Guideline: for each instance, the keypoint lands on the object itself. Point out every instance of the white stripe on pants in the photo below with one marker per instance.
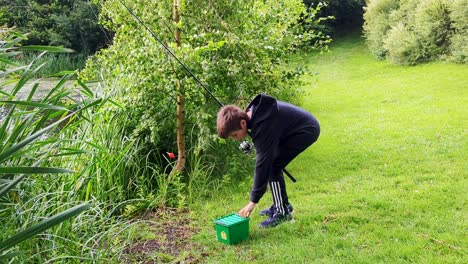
(277, 197)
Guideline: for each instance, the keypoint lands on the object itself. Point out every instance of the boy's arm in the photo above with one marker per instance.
(265, 154)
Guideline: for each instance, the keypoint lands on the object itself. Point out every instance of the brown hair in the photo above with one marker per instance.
(229, 119)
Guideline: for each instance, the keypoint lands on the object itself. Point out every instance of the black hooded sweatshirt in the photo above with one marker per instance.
(271, 123)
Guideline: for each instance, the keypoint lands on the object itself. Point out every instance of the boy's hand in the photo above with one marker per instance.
(247, 210)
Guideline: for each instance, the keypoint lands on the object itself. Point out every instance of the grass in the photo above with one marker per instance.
(386, 181)
(55, 63)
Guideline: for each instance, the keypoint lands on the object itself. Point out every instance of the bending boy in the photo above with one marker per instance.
(280, 131)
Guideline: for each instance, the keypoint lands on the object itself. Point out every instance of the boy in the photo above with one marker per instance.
(280, 131)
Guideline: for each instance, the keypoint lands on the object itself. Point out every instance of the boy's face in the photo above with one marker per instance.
(241, 133)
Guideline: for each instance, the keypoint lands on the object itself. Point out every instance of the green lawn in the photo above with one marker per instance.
(386, 181)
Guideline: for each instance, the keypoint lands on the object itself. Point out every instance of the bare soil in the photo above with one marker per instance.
(170, 242)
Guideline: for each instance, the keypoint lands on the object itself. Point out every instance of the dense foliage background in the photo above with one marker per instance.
(347, 14)
(415, 31)
(71, 23)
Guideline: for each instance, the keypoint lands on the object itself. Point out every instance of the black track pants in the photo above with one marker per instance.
(287, 151)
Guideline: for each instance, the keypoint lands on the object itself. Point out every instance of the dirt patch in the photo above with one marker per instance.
(167, 239)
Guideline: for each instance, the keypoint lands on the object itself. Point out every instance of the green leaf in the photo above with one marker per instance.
(9, 62)
(12, 255)
(19, 35)
(4, 127)
(32, 92)
(11, 150)
(10, 185)
(34, 104)
(77, 152)
(116, 104)
(58, 85)
(44, 225)
(96, 102)
(86, 91)
(9, 54)
(58, 49)
(32, 170)
(6, 73)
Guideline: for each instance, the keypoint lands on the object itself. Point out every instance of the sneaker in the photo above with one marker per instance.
(275, 220)
(272, 210)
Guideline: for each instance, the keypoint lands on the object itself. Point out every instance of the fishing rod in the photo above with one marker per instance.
(245, 146)
(170, 52)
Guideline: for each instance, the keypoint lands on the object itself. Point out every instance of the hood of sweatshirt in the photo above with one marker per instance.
(263, 108)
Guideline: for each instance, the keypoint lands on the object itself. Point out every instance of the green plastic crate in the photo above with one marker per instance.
(232, 229)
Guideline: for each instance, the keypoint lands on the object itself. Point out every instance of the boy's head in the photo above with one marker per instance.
(232, 122)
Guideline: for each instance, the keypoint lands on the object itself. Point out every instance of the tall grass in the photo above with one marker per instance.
(25, 147)
(54, 63)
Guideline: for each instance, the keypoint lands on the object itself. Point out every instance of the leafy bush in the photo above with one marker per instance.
(459, 41)
(402, 45)
(377, 23)
(436, 29)
(433, 26)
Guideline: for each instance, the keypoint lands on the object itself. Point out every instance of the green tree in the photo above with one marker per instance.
(237, 48)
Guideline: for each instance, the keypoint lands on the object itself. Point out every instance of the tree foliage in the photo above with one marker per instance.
(73, 24)
(347, 14)
(237, 48)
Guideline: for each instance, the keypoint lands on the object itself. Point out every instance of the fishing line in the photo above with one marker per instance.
(244, 146)
(171, 53)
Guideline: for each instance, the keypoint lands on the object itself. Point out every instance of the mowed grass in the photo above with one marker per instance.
(386, 181)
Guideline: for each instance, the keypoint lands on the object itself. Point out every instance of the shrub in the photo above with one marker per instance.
(436, 29)
(433, 27)
(402, 45)
(459, 40)
(377, 23)
(404, 13)
(72, 24)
